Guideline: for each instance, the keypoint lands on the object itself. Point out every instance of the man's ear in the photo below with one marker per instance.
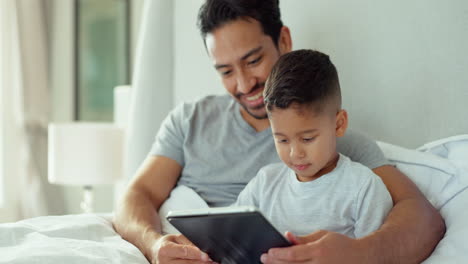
(341, 122)
(284, 40)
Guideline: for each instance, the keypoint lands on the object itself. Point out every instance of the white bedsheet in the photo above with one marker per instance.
(69, 239)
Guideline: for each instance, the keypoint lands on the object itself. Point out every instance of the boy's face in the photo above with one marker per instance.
(306, 141)
(244, 56)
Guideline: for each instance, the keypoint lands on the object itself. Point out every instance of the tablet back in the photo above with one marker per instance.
(240, 237)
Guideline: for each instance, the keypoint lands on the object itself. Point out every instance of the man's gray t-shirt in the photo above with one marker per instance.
(350, 200)
(220, 152)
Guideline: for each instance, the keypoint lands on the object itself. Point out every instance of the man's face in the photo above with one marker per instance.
(305, 141)
(243, 56)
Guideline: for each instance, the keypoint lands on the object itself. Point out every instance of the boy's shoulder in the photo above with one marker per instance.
(273, 168)
(355, 170)
(272, 171)
(270, 176)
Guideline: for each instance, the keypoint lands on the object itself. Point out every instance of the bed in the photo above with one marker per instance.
(438, 168)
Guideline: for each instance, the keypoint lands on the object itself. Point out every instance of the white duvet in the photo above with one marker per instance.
(90, 238)
(69, 239)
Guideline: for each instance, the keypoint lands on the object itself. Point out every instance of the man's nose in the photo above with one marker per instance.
(245, 82)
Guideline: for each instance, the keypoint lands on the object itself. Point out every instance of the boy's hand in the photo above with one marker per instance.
(321, 247)
(177, 249)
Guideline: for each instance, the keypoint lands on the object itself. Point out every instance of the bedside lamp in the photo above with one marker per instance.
(85, 154)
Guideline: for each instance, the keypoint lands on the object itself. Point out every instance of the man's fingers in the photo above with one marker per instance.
(185, 251)
(183, 240)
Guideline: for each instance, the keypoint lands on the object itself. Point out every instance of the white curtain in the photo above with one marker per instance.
(25, 102)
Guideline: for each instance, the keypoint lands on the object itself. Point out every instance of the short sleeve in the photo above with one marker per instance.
(372, 206)
(362, 149)
(171, 135)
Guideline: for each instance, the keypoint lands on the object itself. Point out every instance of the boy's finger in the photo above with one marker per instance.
(292, 238)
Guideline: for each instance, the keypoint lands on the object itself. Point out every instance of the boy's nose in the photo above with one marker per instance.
(297, 152)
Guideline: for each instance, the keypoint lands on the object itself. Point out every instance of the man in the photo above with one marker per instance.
(217, 144)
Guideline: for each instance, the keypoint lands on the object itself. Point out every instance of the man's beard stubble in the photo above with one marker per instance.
(258, 117)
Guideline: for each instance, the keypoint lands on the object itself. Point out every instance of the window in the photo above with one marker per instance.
(102, 56)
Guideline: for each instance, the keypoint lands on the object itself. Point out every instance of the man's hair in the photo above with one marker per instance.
(303, 78)
(216, 13)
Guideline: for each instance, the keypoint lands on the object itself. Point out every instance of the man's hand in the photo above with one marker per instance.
(321, 247)
(177, 249)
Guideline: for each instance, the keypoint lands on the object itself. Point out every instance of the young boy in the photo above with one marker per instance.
(315, 187)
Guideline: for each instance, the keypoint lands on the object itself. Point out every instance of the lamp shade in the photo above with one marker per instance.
(85, 153)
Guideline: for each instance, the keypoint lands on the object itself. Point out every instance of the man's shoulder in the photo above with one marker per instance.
(204, 106)
(209, 101)
(359, 147)
(354, 136)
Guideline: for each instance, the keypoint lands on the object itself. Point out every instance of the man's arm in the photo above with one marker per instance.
(137, 220)
(409, 234)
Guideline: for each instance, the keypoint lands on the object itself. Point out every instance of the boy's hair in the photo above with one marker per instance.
(303, 78)
(216, 13)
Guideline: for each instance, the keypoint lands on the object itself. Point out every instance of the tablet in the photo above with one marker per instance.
(228, 234)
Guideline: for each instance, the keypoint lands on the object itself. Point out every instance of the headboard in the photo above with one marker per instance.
(402, 64)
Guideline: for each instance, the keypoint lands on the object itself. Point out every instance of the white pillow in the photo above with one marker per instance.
(181, 198)
(453, 148)
(438, 178)
(453, 248)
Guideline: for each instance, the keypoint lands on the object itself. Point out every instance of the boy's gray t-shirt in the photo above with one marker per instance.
(350, 200)
(220, 152)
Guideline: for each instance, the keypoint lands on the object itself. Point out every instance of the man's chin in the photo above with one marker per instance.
(259, 117)
(259, 113)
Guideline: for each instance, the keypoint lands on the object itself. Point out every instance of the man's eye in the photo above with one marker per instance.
(308, 139)
(225, 73)
(253, 62)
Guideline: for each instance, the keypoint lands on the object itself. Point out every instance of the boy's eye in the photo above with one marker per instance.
(282, 140)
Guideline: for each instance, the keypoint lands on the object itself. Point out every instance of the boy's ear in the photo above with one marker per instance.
(341, 122)
(284, 40)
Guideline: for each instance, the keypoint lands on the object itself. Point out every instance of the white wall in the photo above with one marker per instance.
(194, 73)
(402, 64)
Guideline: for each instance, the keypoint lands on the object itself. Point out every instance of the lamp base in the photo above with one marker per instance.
(87, 203)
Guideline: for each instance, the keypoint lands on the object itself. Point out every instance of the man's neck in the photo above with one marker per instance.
(258, 124)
